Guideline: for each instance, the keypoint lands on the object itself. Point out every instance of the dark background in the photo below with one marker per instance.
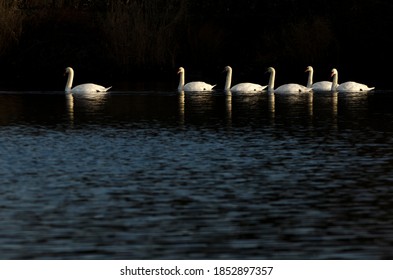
(140, 44)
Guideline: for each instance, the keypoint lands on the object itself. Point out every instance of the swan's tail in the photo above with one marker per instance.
(102, 89)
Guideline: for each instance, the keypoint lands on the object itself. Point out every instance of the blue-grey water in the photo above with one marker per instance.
(165, 175)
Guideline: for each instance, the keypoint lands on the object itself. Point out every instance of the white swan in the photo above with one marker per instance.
(242, 87)
(83, 88)
(287, 88)
(192, 86)
(318, 86)
(347, 86)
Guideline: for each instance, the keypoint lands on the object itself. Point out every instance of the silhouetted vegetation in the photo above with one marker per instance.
(126, 39)
(10, 25)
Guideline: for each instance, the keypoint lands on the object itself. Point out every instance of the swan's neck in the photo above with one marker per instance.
(69, 80)
(310, 78)
(228, 80)
(181, 82)
(335, 82)
(270, 87)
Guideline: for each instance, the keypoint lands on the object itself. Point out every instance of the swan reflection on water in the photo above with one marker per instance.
(272, 100)
(310, 104)
(92, 100)
(352, 105)
(90, 103)
(246, 106)
(70, 107)
(290, 101)
(181, 106)
(202, 106)
(297, 106)
(226, 107)
(335, 104)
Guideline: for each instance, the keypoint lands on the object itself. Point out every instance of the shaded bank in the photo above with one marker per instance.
(147, 40)
(10, 25)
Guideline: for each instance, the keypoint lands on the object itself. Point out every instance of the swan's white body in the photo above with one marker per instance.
(347, 86)
(292, 88)
(83, 88)
(192, 86)
(241, 87)
(287, 88)
(318, 86)
(322, 86)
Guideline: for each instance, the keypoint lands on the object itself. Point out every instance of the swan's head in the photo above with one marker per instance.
(309, 69)
(334, 72)
(181, 70)
(270, 70)
(68, 70)
(227, 68)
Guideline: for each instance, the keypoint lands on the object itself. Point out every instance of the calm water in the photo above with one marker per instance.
(163, 175)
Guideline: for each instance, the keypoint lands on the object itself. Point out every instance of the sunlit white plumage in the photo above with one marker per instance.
(241, 87)
(292, 88)
(83, 88)
(192, 86)
(318, 86)
(347, 86)
(287, 88)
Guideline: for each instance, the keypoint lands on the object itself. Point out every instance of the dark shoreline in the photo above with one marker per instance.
(146, 41)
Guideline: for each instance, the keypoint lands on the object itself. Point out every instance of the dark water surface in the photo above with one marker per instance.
(163, 175)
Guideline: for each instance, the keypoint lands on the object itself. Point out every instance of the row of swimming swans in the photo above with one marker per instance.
(241, 87)
(286, 88)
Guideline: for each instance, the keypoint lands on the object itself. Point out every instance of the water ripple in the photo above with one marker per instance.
(163, 176)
